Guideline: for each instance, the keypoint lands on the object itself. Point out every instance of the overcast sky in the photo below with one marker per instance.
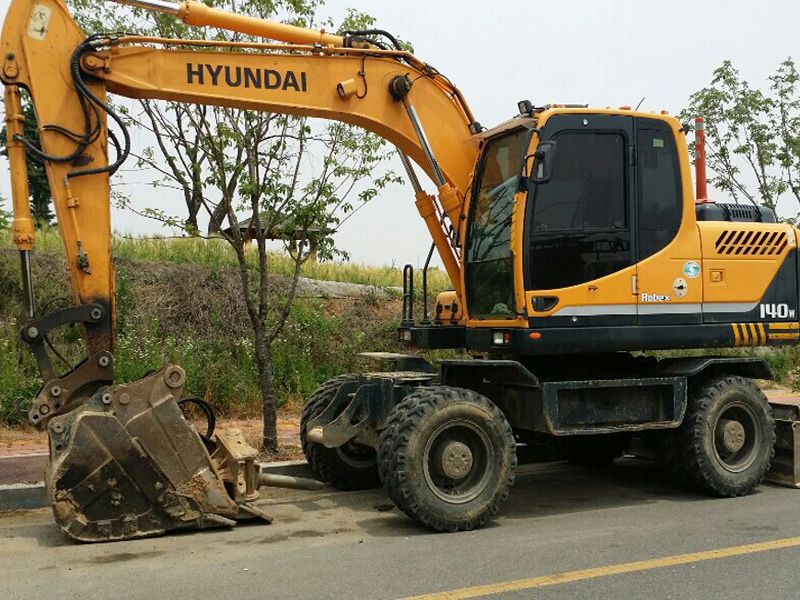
(610, 52)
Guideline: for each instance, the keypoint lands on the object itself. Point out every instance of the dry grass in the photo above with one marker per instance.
(21, 436)
(292, 406)
(217, 253)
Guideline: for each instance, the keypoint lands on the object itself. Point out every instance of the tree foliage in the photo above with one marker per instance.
(254, 174)
(5, 216)
(753, 134)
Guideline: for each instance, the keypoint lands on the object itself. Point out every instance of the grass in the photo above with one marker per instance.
(19, 379)
(177, 303)
(317, 344)
(217, 253)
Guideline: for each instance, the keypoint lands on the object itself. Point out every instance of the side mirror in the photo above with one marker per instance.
(544, 158)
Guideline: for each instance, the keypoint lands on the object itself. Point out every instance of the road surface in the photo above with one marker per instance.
(567, 532)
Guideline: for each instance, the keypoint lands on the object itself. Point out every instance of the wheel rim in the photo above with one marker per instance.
(736, 437)
(356, 455)
(457, 461)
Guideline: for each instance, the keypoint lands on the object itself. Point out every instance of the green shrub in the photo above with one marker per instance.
(19, 379)
(192, 317)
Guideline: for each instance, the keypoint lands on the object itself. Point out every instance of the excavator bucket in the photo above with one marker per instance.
(786, 464)
(127, 464)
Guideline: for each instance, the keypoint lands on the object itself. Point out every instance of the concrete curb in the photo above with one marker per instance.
(28, 496)
(22, 496)
(293, 468)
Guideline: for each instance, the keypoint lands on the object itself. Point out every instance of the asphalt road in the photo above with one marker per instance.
(567, 532)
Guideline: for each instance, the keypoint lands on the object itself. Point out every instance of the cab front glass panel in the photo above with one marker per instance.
(489, 274)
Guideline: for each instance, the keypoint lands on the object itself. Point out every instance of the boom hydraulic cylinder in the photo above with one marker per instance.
(200, 15)
(23, 223)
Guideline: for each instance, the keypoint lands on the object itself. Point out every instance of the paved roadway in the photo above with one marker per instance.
(567, 532)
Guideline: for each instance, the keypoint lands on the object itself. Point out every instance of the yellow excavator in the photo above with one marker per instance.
(572, 237)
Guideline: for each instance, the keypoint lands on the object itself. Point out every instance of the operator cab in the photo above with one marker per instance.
(582, 235)
(612, 198)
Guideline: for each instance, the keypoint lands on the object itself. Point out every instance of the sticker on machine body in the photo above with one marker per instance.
(691, 269)
(39, 21)
(680, 287)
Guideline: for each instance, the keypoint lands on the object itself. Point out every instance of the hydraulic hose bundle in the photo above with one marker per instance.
(91, 106)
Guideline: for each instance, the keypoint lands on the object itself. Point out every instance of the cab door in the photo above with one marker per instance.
(579, 259)
(668, 273)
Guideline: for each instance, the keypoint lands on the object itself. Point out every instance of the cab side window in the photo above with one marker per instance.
(659, 187)
(579, 226)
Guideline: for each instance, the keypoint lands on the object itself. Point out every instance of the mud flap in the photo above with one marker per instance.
(127, 464)
(785, 469)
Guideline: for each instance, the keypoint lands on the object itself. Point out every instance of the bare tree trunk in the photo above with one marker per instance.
(215, 220)
(191, 224)
(266, 378)
(267, 385)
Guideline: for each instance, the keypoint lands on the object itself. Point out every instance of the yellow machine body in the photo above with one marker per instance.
(124, 463)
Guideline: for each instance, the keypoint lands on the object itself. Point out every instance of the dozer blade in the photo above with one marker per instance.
(786, 464)
(127, 464)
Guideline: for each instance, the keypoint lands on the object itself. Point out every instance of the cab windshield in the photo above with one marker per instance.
(489, 265)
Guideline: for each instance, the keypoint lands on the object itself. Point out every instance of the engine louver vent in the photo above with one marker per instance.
(741, 212)
(753, 243)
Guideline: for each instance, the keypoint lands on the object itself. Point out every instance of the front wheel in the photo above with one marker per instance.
(727, 439)
(447, 458)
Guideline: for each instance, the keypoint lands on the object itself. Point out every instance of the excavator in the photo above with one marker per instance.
(573, 238)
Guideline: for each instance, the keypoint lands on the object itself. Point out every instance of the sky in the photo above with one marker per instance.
(604, 53)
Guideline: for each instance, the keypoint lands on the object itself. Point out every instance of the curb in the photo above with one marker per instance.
(293, 468)
(22, 496)
(28, 496)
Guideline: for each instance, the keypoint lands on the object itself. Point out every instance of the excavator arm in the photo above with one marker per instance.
(124, 463)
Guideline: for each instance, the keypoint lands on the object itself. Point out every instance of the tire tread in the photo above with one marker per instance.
(693, 462)
(393, 459)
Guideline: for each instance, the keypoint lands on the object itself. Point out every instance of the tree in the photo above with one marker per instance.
(5, 216)
(268, 172)
(753, 135)
(39, 189)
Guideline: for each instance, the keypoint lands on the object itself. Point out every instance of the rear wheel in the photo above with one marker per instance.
(727, 439)
(447, 458)
(348, 467)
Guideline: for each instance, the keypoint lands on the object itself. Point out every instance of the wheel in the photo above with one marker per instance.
(593, 450)
(348, 467)
(447, 458)
(727, 439)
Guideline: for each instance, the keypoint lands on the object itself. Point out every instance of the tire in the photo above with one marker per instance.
(593, 450)
(723, 414)
(349, 467)
(430, 424)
